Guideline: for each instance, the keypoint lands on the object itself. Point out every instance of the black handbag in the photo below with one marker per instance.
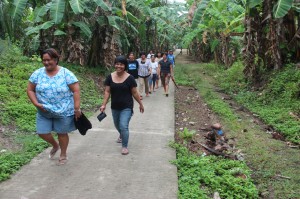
(82, 124)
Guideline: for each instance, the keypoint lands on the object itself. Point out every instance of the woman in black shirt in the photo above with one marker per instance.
(121, 86)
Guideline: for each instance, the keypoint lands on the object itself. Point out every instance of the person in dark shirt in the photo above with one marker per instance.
(121, 86)
(133, 66)
(165, 70)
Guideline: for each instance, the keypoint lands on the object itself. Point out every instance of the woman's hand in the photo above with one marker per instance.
(41, 107)
(142, 108)
(102, 108)
(77, 114)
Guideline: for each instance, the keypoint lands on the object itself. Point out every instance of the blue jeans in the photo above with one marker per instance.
(121, 120)
(152, 81)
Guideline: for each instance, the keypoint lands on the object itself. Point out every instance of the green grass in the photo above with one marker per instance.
(17, 114)
(275, 103)
(265, 156)
(11, 161)
(212, 174)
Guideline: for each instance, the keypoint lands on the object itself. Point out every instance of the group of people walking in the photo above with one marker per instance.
(55, 92)
(149, 69)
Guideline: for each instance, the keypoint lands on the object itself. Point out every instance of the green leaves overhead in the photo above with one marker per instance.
(39, 12)
(199, 12)
(77, 6)
(57, 10)
(18, 10)
(84, 28)
(102, 5)
(253, 3)
(112, 22)
(282, 7)
(36, 29)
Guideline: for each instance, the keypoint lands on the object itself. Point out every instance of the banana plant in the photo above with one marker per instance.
(281, 7)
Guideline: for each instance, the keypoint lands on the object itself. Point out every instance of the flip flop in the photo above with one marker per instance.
(53, 152)
(62, 161)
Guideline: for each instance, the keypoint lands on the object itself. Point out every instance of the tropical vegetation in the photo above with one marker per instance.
(250, 48)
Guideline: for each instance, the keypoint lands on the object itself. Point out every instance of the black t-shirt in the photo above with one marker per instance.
(133, 68)
(165, 66)
(121, 96)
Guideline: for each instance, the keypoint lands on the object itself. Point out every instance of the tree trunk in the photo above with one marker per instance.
(104, 47)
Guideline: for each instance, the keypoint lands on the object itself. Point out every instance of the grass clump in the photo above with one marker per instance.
(11, 161)
(200, 177)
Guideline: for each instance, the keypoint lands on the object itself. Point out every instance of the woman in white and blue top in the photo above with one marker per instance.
(55, 91)
(144, 73)
(153, 76)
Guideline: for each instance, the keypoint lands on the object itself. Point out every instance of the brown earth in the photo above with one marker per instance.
(192, 113)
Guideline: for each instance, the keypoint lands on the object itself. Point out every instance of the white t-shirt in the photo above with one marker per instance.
(154, 66)
(149, 56)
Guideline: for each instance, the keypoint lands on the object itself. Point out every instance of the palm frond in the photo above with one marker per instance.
(18, 10)
(282, 7)
(84, 28)
(102, 5)
(199, 12)
(57, 10)
(77, 6)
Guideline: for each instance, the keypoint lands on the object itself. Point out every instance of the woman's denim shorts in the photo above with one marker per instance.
(48, 122)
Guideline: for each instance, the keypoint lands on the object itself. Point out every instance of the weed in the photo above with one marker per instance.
(186, 134)
(212, 174)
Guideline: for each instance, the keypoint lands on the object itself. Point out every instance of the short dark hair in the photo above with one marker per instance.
(52, 53)
(122, 59)
(142, 53)
(130, 54)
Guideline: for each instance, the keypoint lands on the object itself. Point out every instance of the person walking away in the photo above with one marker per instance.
(144, 73)
(171, 58)
(165, 70)
(153, 76)
(55, 92)
(157, 59)
(150, 54)
(122, 88)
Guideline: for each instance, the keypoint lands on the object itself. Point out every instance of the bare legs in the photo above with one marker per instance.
(63, 141)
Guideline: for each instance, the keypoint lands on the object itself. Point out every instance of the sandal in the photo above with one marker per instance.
(124, 151)
(62, 161)
(53, 152)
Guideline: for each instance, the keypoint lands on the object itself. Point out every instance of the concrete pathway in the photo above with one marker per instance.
(97, 170)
